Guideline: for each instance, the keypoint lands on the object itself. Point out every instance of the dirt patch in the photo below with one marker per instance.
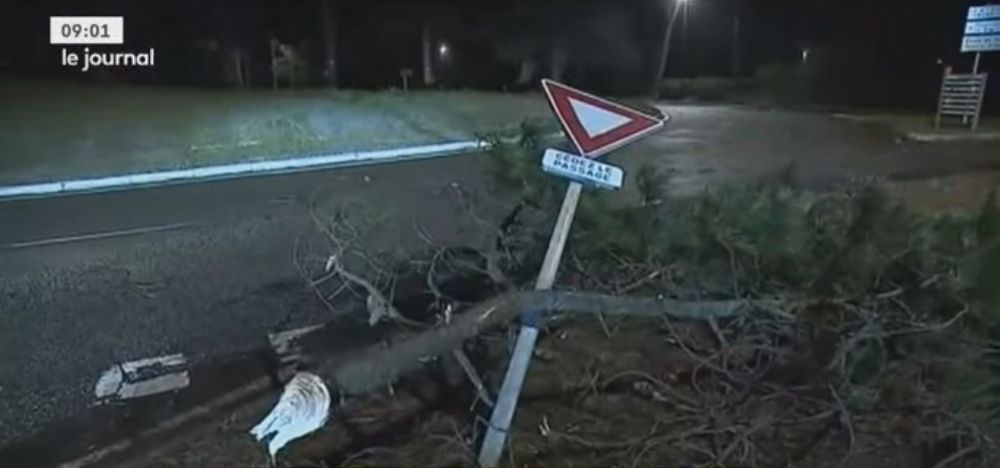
(959, 191)
(622, 393)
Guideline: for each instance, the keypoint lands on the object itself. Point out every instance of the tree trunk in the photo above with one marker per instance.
(331, 18)
(664, 52)
(736, 46)
(527, 72)
(359, 371)
(428, 62)
(557, 66)
(226, 42)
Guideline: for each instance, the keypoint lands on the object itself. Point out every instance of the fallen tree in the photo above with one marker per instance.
(762, 325)
(378, 366)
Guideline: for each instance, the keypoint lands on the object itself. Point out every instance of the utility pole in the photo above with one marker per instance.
(428, 63)
(330, 17)
(736, 45)
(664, 51)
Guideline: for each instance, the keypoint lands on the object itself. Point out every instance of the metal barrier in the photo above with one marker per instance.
(961, 96)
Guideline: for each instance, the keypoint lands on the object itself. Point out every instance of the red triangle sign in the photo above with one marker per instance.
(595, 125)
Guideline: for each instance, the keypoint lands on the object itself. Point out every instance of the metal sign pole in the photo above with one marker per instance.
(975, 64)
(510, 391)
(590, 115)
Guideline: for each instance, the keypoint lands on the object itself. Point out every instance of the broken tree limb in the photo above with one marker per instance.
(364, 370)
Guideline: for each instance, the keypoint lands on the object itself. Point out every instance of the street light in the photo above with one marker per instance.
(665, 47)
(443, 50)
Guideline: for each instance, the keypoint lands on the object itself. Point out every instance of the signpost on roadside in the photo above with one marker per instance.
(982, 32)
(596, 126)
(962, 94)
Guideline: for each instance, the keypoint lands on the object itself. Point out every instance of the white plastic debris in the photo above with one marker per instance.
(302, 409)
(143, 377)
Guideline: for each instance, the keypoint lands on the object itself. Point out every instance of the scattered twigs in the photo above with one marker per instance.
(930, 328)
(651, 438)
(840, 356)
(956, 456)
(718, 333)
(701, 360)
(845, 421)
(604, 325)
(679, 400)
(640, 282)
(470, 372)
(379, 306)
(743, 438)
(313, 284)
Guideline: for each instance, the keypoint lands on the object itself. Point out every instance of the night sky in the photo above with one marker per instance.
(867, 45)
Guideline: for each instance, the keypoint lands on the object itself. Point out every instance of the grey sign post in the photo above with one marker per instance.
(595, 126)
(962, 94)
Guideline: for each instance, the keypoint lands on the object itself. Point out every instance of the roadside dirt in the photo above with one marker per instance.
(623, 396)
(959, 191)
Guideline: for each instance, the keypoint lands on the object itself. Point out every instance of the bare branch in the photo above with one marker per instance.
(470, 371)
(956, 456)
(845, 419)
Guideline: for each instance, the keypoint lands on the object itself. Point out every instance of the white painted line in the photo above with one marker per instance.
(143, 377)
(242, 144)
(957, 136)
(272, 166)
(99, 235)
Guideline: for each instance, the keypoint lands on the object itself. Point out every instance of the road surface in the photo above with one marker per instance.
(206, 269)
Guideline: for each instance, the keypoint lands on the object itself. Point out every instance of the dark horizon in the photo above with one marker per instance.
(875, 47)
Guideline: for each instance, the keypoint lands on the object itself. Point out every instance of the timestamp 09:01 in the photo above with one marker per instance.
(86, 30)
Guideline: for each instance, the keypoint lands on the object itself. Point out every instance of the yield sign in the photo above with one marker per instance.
(596, 125)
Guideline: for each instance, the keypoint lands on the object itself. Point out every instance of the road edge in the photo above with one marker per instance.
(244, 169)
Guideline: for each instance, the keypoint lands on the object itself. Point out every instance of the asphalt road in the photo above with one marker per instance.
(203, 269)
(206, 269)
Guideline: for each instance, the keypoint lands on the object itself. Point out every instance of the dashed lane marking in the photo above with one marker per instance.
(98, 236)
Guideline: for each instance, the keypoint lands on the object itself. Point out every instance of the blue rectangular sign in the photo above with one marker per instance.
(981, 43)
(983, 27)
(984, 12)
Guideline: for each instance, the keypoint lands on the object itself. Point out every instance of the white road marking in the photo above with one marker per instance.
(98, 235)
(143, 377)
(241, 144)
(271, 166)
(949, 137)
